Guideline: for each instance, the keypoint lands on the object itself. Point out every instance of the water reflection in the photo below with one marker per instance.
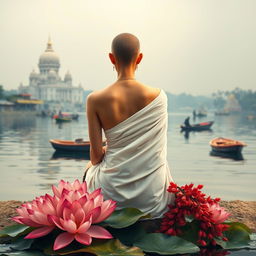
(217, 252)
(186, 133)
(29, 162)
(70, 155)
(17, 122)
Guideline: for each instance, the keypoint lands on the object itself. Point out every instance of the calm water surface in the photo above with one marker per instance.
(29, 166)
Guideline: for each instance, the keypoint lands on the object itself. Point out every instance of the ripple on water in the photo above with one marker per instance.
(26, 157)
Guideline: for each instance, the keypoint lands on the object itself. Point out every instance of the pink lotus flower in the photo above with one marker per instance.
(219, 214)
(35, 214)
(71, 209)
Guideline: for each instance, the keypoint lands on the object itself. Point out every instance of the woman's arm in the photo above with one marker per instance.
(95, 131)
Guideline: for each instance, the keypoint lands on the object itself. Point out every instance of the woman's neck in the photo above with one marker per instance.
(126, 73)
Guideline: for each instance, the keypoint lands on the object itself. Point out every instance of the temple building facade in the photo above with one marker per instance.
(48, 86)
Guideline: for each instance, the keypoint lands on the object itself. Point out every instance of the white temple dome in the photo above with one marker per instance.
(33, 74)
(52, 74)
(68, 76)
(49, 59)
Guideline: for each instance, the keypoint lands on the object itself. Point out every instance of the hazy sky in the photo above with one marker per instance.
(192, 46)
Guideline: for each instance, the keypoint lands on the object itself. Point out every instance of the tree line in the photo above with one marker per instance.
(246, 99)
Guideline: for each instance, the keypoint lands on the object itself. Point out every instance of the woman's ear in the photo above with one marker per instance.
(112, 58)
(139, 58)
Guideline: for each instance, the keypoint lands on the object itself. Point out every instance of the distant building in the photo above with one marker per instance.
(232, 104)
(48, 86)
(21, 102)
(6, 105)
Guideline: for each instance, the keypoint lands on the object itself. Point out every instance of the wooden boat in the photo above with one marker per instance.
(70, 155)
(251, 117)
(200, 113)
(236, 156)
(197, 127)
(63, 119)
(222, 113)
(69, 145)
(74, 116)
(225, 145)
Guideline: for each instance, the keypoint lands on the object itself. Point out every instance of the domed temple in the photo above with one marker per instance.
(48, 86)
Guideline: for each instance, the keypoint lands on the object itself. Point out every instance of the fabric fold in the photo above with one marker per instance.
(134, 171)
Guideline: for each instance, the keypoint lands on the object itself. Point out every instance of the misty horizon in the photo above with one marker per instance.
(194, 48)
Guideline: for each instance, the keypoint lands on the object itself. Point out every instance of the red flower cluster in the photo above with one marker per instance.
(191, 204)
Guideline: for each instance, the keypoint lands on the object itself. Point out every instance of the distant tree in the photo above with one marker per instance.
(246, 99)
(1, 92)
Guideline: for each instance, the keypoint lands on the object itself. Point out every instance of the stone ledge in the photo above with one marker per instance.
(242, 211)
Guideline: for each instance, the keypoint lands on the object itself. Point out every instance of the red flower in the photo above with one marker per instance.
(191, 204)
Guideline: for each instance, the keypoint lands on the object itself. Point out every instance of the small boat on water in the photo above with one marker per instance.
(197, 127)
(63, 119)
(69, 145)
(70, 155)
(236, 156)
(222, 113)
(201, 113)
(225, 145)
(251, 117)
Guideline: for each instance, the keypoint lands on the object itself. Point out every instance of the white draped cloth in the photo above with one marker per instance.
(134, 171)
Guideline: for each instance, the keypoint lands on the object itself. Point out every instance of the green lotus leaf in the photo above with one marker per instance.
(14, 230)
(21, 244)
(111, 247)
(165, 245)
(190, 231)
(23, 253)
(124, 218)
(4, 248)
(129, 235)
(238, 236)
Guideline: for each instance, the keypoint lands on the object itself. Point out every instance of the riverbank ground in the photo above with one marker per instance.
(242, 211)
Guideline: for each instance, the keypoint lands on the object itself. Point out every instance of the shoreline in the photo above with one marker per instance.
(241, 211)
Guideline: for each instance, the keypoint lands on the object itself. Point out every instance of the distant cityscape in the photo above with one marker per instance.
(47, 91)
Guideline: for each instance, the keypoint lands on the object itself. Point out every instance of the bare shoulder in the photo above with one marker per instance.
(96, 96)
(150, 91)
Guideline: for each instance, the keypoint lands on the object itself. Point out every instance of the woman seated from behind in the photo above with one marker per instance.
(132, 168)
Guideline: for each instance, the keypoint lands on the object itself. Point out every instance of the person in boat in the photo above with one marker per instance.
(132, 168)
(60, 114)
(186, 122)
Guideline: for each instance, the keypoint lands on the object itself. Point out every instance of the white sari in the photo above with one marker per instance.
(134, 171)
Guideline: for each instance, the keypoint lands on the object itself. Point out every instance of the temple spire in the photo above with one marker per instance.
(49, 45)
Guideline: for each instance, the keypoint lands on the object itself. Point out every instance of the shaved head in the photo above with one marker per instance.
(125, 48)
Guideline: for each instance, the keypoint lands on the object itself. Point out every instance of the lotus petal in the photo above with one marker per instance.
(69, 226)
(99, 232)
(79, 216)
(17, 219)
(95, 193)
(29, 222)
(39, 232)
(85, 226)
(63, 240)
(56, 221)
(66, 213)
(104, 214)
(95, 213)
(83, 239)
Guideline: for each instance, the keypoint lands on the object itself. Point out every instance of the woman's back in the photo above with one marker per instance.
(121, 100)
(134, 171)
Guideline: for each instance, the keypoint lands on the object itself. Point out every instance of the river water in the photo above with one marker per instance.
(29, 165)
